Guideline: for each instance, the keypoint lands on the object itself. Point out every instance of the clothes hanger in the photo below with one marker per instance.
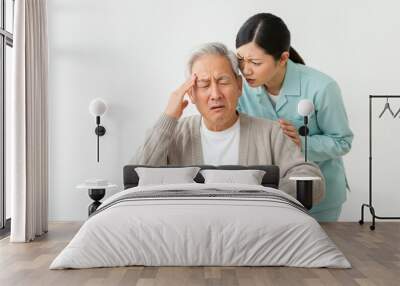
(397, 113)
(387, 107)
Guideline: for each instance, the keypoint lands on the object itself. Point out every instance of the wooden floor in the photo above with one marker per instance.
(374, 255)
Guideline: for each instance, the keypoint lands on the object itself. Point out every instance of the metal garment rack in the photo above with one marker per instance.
(369, 205)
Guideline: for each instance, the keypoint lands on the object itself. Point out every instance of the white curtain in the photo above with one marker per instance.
(28, 157)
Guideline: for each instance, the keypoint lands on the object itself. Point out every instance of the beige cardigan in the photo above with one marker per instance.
(262, 142)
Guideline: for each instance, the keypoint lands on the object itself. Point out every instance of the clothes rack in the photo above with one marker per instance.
(370, 205)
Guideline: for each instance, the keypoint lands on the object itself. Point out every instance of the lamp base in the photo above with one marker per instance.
(304, 192)
(96, 195)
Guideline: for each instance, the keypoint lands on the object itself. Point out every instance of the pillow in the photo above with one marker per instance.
(248, 177)
(163, 176)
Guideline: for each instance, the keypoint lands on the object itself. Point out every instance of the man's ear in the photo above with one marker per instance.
(192, 95)
(240, 84)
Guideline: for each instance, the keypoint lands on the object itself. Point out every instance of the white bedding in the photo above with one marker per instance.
(200, 231)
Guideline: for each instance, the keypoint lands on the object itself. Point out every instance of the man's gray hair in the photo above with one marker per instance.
(214, 48)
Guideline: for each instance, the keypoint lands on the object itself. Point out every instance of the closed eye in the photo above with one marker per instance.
(203, 83)
(224, 80)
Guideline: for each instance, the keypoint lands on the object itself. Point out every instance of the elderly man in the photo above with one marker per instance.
(220, 135)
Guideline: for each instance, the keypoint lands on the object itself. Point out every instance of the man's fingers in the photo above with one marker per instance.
(184, 104)
(187, 85)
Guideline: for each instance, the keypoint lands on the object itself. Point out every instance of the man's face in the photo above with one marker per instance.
(217, 89)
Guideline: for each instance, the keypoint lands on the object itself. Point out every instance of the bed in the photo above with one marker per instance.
(198, 224)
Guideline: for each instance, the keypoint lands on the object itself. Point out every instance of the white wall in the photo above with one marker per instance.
(132, 54)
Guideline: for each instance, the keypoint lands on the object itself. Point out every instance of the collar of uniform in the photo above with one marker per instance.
(291, 83)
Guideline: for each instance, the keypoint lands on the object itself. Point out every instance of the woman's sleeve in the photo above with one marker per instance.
(336, 138)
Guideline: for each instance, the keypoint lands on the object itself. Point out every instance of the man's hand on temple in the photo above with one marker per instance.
(177, 102)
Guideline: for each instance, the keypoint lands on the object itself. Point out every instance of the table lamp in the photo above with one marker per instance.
(304, 185)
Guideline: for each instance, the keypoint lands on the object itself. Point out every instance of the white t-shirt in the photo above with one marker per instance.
(220, 147)
(273, 97)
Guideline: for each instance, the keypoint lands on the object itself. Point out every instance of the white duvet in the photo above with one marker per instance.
(200, 231)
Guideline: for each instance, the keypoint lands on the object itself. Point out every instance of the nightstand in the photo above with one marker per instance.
(96, 193)
(304, 190)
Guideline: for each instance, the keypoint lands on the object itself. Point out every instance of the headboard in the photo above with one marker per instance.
(270, 179)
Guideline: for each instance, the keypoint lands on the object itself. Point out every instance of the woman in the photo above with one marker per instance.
(276, 79)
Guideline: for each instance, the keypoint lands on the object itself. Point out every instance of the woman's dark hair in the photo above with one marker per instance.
(270, 33)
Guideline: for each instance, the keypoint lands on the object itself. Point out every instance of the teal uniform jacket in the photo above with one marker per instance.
(330, 135)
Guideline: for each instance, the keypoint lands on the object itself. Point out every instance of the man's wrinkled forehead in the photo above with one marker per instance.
(212, 66)
(217, 76)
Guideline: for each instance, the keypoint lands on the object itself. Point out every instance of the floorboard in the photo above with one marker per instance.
(374, 255)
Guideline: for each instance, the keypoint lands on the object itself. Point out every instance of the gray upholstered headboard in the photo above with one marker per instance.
(270, 179)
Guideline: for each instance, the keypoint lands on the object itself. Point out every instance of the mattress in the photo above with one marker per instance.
(200, 225)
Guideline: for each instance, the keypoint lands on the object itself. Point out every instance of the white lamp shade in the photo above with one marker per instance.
(97, 107)
(305, 107)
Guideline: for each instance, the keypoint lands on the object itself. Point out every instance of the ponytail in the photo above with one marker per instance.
(295, 57)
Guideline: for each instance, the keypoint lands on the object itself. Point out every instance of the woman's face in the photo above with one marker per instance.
(257, 67)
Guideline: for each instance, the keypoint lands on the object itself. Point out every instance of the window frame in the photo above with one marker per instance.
(6, 39)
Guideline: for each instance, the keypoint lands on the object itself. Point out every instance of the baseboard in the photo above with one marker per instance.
(5, 231)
